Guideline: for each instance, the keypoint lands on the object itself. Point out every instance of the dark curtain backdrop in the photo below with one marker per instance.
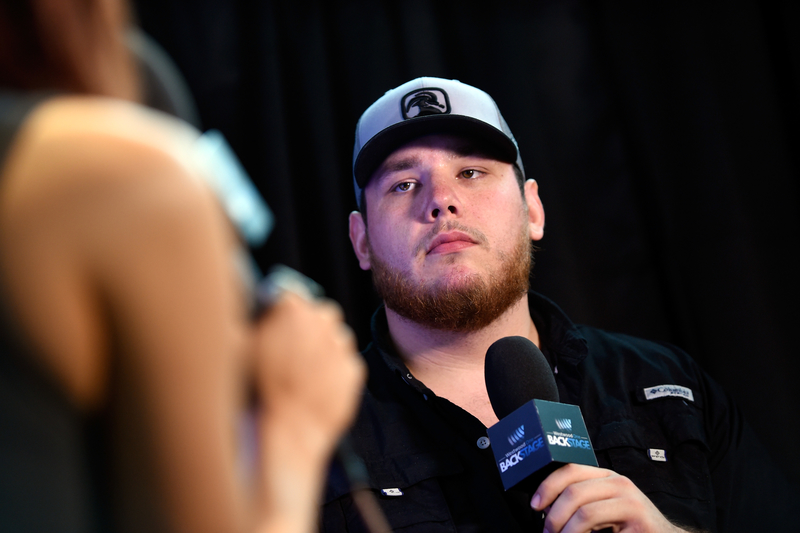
(663, 136)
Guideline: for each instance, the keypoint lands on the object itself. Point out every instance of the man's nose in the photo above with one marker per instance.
(442, 198)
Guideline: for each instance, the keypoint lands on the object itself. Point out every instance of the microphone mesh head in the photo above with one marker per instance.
(516, 372)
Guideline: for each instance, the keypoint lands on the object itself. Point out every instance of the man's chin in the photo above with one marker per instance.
(452, 278)
(463, 302)
(456, 294)
(463, 310)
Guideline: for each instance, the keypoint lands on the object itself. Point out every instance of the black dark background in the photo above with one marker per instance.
(663, 136)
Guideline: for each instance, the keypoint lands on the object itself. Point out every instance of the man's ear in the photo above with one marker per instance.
(358, 237)
(535, 210)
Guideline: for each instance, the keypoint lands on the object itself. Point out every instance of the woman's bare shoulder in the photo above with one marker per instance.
(119, 119)
(102, 215)
(73, 148)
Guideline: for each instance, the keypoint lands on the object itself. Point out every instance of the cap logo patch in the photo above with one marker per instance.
(427, 101)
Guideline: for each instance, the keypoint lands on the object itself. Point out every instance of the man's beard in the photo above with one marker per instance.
(472, 305)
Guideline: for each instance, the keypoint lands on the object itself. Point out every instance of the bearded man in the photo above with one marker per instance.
(446, 222)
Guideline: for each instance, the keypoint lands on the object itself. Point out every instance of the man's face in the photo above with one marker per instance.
(448, 234)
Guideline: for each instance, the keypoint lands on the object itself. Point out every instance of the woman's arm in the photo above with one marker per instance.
(120, 257)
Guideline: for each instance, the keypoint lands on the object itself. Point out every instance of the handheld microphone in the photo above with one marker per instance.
(535, 434)
(254, 221)
(281, 279)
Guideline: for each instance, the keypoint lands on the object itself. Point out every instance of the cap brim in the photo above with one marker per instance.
(378, 148)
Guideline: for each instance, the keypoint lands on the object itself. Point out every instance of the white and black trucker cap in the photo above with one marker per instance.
(426, 106)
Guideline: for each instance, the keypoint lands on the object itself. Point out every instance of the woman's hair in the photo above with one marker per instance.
(73, 46)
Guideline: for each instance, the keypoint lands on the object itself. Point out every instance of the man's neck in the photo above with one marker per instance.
(451, 363)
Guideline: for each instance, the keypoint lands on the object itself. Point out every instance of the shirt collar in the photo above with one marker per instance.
(385, 345)
(561, 340)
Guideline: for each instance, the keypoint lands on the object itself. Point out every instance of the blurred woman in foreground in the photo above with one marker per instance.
(126, 347)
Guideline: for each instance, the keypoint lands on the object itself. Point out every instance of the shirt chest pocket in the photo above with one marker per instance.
(407, 490)
(663, 449)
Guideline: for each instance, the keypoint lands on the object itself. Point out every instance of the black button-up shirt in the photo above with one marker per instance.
(685, 445)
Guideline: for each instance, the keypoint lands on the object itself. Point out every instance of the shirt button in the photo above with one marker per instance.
(483, 443)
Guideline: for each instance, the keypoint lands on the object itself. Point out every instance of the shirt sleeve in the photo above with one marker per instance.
(751, 492)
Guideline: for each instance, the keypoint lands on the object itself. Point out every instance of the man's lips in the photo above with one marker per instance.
(450, 242)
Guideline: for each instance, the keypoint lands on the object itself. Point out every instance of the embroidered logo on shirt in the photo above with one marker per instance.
(392, 492)
(661, 391)
(657, 455)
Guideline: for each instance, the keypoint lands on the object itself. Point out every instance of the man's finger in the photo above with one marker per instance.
(560, 479)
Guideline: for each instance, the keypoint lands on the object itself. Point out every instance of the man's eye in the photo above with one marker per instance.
(470, 173)
(404, 187)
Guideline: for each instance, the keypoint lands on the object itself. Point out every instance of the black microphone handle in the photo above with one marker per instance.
(281, 279)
